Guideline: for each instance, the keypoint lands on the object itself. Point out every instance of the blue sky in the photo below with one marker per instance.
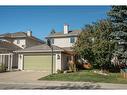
(42, 19)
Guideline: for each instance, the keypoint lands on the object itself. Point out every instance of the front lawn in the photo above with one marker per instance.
(86, 76)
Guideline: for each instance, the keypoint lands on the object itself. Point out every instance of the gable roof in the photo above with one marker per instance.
(61, 34)
(13, 35)
(40, 48)
(19, 35)
(4, 45)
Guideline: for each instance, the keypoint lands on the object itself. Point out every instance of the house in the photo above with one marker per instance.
(11, 42)
(7, 47)
(39, 57)
(65, 39)
(7, 57)
(21, 39)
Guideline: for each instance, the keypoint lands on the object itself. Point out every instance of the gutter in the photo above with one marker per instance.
(59, 36)
(37, 51)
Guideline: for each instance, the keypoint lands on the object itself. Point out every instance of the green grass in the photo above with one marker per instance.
(86, 76)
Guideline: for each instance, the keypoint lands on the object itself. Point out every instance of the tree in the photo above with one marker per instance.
(102, 46)
(118, 16)
(52, 31)
(83, 46)
(94, 43)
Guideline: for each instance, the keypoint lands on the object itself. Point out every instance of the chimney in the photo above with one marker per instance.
(66, 28)
(29, 33)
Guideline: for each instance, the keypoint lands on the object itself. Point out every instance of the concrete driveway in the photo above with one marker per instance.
(22, 76)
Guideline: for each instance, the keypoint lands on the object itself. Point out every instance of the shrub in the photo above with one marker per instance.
(2, 67)
(72, 66)
(59, 71)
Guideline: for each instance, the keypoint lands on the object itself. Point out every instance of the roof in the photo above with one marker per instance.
(61, 34)
(13, 35)
(40, 48)
(4, 45)
(19, 35)
(46, 49)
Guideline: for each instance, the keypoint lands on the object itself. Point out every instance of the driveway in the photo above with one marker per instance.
(21, 76)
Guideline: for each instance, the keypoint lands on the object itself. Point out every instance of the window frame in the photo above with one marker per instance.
(52, 41)
(18, 41)
(72, 39)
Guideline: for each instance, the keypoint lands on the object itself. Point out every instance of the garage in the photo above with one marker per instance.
(39, 58)
(39, 62)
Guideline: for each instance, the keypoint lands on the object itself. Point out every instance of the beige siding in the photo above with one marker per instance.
(63, 42)
(26, 42)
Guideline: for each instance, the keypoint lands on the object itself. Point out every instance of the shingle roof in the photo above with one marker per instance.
(61, 34)
(14, 35)
(40, 48)
(8, 46)
(19, 35)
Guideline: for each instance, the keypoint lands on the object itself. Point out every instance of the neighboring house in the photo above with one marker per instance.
(7, 47)
(11, 42)
(39, 57)
(21, 39)
(7, 57)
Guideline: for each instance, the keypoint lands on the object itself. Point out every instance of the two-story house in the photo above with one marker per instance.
(21, 39)
(64, 39)
(40, 58)
(10, 42)
(8, 58)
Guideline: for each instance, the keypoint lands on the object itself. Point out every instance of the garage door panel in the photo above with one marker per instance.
(40, 62)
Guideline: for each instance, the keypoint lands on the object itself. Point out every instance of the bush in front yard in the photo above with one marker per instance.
(72, 66)
(59, 71)
(2, 67)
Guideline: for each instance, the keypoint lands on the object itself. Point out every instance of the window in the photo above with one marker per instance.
(58, 56)
(52, 41)
(72, 39)
(18, 41)
(23, 46)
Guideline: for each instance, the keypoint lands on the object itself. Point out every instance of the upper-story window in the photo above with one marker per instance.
(52, 41)
(18, 41)
(72, 39)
